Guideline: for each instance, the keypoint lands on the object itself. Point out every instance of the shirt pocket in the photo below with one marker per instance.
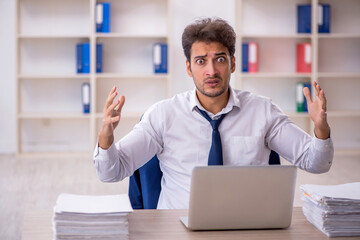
(246, 150)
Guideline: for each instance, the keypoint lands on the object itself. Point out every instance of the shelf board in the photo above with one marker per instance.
(276, 75)
(354, 113)
(282, 36)
(339, 35)
(132, 76)
(67, 76)
(58, 36)
(80, 154)
(54, 116)
(349, 113)
(338, 75)
(123, 35)
(347, 151)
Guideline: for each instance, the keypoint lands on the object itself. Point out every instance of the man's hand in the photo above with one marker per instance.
(111, 118)
(317, 111)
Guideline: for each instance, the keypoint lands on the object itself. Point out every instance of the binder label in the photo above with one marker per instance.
(299, 93)
(320, 15)
(307, 53)
(252, 53)
(157, 54)
(99, 13)
(86, 94)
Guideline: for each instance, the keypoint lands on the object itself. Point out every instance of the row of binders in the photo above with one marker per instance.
(250, 56)
(160, 59)
(103, 18)
(333, 209)
(83, 58)
(91, 217)
(301, 103)
(304, 18)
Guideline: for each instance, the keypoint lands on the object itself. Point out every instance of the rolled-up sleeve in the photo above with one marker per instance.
(131, 152)
(321, 155)
(295, 145)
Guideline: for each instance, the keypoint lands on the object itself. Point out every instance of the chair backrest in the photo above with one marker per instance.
(145, 183)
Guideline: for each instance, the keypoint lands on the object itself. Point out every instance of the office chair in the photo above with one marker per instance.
(145, 183)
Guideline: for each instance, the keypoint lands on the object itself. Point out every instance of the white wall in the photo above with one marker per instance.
(7, 80)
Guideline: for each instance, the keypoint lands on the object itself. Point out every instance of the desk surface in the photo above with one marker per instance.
(165, 224)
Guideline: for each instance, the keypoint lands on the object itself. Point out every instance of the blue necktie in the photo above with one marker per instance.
(215, 155)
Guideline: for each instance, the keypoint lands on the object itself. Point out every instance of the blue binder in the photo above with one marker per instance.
(86, 57)
(304, 18)
(79, 62)
(106, 20)
(160, 58)
(85, 97)
(324, 24)
(99, 56)
(99, 16)
(103, 17)
(245, 57)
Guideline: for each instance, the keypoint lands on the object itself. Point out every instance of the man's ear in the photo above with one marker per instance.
(233, 65)
(188, 68)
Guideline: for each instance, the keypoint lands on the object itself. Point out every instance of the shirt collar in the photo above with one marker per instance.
(234, 101)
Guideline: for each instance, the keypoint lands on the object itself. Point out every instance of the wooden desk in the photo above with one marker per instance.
(165, 224)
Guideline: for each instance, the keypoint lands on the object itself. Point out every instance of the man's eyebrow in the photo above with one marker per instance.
(200, 56)
(216, 54)
(220, 53)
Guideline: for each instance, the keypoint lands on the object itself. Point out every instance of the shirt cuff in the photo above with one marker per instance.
(104, 154)
(323, 145)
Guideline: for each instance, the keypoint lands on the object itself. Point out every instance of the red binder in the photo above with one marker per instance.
(303, 57)
(253, 56)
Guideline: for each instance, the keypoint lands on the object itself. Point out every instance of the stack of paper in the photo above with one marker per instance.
(334, 210)
(91, 217)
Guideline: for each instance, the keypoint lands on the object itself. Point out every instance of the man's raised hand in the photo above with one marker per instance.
(111, 118)
(317, 111)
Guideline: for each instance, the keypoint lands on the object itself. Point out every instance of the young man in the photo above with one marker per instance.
(180, 130)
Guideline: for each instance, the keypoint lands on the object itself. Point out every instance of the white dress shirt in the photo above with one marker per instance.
(181, 137)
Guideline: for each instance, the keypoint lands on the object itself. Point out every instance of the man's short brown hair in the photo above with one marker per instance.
(209, 30)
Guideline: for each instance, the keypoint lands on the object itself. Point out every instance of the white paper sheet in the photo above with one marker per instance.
(93, 204)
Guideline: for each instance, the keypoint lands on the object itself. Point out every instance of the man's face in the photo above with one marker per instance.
(210, 66)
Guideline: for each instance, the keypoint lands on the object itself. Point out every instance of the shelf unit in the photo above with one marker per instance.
(49, 110)
(335, 61)
(48, 88)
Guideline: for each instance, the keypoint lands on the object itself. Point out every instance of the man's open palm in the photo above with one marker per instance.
(317, 111)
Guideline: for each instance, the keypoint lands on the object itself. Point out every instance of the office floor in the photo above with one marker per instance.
(34, 183)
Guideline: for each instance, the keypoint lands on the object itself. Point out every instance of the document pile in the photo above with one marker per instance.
(91, 217)
(334, 210)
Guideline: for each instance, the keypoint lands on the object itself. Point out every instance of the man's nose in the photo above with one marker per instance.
(211, 69)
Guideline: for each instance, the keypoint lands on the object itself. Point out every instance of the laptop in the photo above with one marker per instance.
(241, 197)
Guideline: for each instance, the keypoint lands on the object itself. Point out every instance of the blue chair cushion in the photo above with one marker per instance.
(145, 185)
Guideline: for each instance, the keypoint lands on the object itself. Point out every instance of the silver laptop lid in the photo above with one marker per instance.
(241, 197)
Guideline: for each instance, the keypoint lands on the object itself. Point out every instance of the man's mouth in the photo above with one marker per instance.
(212, 82)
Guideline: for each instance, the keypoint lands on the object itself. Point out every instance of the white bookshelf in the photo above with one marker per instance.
(335, 61)
(50, 118)
(49, 111)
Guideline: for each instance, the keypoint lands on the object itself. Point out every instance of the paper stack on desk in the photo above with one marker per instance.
(91, 217)
(333, 209)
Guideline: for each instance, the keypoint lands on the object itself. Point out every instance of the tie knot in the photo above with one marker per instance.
(214, 123)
